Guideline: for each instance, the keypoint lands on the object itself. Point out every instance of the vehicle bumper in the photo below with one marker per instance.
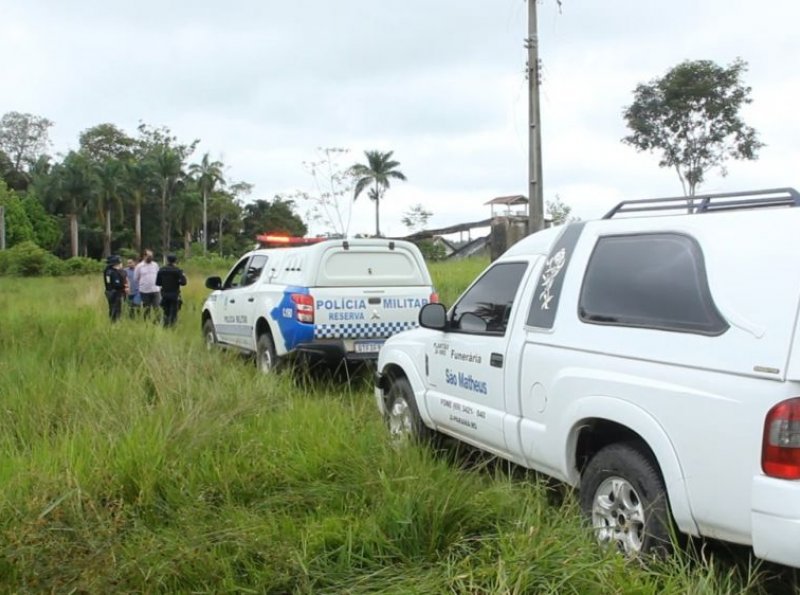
(335, 350)
(775, 519)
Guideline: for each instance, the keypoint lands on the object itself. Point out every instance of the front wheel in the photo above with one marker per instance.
(402, 415)
(209, 334)
(266, 358)
(623, 496)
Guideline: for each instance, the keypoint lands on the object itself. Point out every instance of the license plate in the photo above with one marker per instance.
(367, 346)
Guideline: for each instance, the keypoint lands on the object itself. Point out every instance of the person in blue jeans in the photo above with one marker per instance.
(134, 297)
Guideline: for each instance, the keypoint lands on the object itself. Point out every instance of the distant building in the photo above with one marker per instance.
(515, 205)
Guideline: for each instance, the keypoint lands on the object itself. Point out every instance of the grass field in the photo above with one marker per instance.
(133, 460)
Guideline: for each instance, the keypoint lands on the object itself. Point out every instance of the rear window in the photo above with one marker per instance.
(370, 267)
(653, 281)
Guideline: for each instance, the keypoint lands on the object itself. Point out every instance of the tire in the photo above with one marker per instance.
(266, 358)
(209, 334)
(402, 414)
(624, 499)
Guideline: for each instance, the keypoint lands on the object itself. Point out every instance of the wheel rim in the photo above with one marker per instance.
(618, 515)
(400, 418)
(210, 339)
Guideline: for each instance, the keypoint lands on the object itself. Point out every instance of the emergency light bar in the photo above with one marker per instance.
(280, 241)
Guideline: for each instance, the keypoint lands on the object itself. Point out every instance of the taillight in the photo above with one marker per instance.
(434, 299)
(304, 307)
(780, 450)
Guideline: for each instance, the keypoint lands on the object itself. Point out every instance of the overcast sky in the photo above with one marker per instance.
(439, 82)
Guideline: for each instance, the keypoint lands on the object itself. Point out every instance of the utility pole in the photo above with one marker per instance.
(535, 195)
(2, 227)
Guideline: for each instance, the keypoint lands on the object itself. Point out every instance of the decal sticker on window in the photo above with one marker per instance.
(544, 307)
(552, 268)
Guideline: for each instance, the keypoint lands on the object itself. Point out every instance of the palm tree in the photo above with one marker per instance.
(140, 183)
(109, 175)
(380, 169)
(76, 185)
(168, 169)
(208, 174)
(188, 212)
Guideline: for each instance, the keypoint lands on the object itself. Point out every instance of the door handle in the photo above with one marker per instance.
(250, 299)
(231, 301)
(496, 360)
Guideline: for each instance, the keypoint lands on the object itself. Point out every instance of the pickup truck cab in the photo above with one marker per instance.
(336, 298)
(651, 359)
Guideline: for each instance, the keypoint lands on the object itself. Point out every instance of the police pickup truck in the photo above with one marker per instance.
(336, 298)
(651, 361)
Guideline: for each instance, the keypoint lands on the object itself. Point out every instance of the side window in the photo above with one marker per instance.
(487, 305)
(234, 278)
(254, 269)
(650, 280)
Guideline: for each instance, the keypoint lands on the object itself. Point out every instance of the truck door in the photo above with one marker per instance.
(466, 364)
(228, 330)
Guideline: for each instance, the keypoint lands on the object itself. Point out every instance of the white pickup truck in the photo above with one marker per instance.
(336, 298)
(651, 358)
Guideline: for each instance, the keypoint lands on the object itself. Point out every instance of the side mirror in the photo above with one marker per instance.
(433, 316)
(214, 283)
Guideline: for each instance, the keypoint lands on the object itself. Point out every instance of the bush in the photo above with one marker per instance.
(431, 251)
(26, 259)
(54, 267)
(211, 263)
(79, 265)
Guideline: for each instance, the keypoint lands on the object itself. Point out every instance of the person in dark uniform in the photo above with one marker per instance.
(170, 279)
(114, 279)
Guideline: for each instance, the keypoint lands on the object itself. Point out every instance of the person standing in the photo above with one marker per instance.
(114, 280)
(145, 277)
(134, 299)
(170, 279)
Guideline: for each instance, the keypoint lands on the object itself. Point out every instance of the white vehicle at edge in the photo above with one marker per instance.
(336, 298)
(652, 361)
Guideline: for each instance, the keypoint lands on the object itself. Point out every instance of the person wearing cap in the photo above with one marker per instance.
(170, 279)
(114, 280)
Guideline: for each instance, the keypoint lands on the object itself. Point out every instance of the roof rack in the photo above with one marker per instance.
(706, 203)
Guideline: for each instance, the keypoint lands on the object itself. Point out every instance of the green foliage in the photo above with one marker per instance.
(431, 250)
(278, 216)
(105, 142)
(210, 263)
(46, 230)
(18, 226)
(691, 117)
(80, 265)
(23, 138)
(26, 259)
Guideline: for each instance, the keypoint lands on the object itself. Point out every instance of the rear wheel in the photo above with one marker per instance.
(623, 496)
(266, 358)
(402, 415)
(209, 334)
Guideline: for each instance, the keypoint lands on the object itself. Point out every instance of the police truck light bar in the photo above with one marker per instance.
(269, 240)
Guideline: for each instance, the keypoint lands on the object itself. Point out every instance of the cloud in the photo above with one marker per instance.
(440, 83)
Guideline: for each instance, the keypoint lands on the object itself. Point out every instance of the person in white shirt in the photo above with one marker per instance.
(145, 276)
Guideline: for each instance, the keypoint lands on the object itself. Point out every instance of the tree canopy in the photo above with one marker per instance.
(691, 116)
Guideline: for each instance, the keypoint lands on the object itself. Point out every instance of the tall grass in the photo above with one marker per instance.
(132, 459)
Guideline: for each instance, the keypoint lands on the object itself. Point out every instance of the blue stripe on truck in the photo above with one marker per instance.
(284, 314)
